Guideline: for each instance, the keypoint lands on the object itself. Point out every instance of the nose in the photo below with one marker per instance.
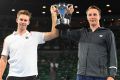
(22, 22)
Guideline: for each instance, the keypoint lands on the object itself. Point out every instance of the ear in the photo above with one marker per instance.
(100, 17)
(29, 22)
(17, 20)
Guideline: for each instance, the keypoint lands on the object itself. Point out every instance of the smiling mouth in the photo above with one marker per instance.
(92, 20)
(22, 25)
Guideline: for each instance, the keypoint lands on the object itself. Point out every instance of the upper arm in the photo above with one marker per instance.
(110, 41)
(4, 53)
(38, 37)
(47, 36)
(71, 34)
(50, 35)
(5, 49)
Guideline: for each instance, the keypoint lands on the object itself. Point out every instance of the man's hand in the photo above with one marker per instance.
(53, 10)
(70, 8)
(110, 78)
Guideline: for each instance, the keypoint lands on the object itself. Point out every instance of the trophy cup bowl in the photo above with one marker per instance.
(63, 18)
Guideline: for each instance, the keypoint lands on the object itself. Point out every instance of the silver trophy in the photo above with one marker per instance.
(64, 17)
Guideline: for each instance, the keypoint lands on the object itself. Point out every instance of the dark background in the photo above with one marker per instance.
(58, 51)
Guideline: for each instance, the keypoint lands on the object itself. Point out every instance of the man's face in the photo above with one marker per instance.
(93, 16)
(23, 21)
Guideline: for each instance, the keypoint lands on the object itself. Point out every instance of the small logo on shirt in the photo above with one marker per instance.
(26, 37)
(100, 35)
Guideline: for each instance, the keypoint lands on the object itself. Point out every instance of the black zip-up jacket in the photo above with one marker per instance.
(96, 51)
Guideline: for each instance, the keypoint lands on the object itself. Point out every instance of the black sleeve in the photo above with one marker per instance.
(71, 34)
(112, 54)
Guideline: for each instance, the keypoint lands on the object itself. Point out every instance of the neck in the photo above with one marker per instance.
(21, 32)
(94, 27)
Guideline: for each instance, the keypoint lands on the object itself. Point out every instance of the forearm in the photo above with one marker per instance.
(113, 64)
(3, 63)
(0, 71)
(54, 30)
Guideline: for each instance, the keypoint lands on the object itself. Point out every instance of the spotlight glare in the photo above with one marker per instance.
(76, 6)
(107, 5)
(77, 12)
(109, 11)
(43, 12)
(13, 10)
(44, 7)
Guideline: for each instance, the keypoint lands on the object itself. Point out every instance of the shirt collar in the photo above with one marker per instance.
(26, 33)
(99, 28)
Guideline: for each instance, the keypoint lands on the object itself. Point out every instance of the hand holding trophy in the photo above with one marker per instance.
(64, 12)
(53, 10)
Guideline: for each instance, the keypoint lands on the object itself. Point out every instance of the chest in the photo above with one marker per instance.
(22, 43)
(93, 37)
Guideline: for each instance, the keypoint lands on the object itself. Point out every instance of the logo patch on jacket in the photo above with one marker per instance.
(101, 35)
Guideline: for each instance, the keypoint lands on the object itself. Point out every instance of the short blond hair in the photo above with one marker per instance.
(25, 12)
(94, 7)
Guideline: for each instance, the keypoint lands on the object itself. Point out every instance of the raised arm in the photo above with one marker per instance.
(54, 32)
(70, 9)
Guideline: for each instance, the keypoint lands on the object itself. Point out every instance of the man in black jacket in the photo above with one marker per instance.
(97, 58)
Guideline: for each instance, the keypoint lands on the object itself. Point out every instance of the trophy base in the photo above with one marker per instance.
(62, 26)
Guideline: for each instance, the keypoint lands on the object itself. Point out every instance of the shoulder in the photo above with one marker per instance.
(9, 37)
(103, 28)
(106, 30)
(36, 33)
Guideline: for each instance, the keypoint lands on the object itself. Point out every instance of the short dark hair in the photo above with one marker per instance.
(25, 12)
(94, 7)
